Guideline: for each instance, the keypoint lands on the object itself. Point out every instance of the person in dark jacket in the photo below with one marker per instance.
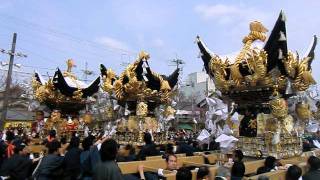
(7, 146)
(51, 137)
(18, 166)
(293, 173)
(203, 173)
(128, 154)
(237, 155)
(108, 169)
(183, 147)
(71, 163)
(269, 165)
(314, 169)
(149, 149)
(86, 167)
(183, 173)
(169, 149)
(237, 171)
(50, 167)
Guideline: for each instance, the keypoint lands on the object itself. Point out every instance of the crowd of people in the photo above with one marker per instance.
(96, 157)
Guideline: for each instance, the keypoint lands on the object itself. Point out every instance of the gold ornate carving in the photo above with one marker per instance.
(304, 77)
(77, 94)
(87, 118)
(142, 109)
(70, 65)
(217, 66)
(68, 72)
(287, 124)
(169, 111)
(298, 71)
(135, 89)
(108, 81)
(279, 108)
(254, 58)
(109, 112)
(303, 111)
(150, 123)
(291, 65)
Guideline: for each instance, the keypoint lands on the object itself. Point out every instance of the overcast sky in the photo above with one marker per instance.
(113, 32)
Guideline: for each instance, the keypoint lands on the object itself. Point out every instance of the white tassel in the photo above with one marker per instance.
(144, 71)
(289, 88)
(145, 78)
(283, 17)
(280, 54)
(145, 65)
(282, 36)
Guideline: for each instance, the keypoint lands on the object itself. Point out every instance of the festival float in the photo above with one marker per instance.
(145, 97)
(65, 95)
(268, 86)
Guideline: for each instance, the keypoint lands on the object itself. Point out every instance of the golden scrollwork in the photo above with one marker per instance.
(142, 109)
(253, 123)
(87, 118)
(304, 77)
(47, 92)
(118, 89)
(253, 58)
(217, 66)
(108, 81)
(54, 121)
(287, 124)
(68, 72)
(169, 111)
(291, 65)
(70, 64)
(109, 111)
(150, 123)
(303, 111)
(279, 108)
(134, 88)
(133, 85)
(43, 92)
(299, 72)
(77, 95)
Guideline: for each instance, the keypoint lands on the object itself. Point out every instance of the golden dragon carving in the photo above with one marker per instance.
(217, 66)
(107, 81)
(254, 58)
(257, 32)
(299, 72)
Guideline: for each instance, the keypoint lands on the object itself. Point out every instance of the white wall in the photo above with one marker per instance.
(196, 85)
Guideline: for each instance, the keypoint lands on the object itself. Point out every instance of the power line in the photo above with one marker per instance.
(59, 34)
(95, 52)
(31, 74)
(53, 61)
(83, 53)
(63, 52)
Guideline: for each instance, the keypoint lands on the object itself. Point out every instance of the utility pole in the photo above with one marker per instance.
(86, 72)
(8, 81)
(177, 62)
(124, 64)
